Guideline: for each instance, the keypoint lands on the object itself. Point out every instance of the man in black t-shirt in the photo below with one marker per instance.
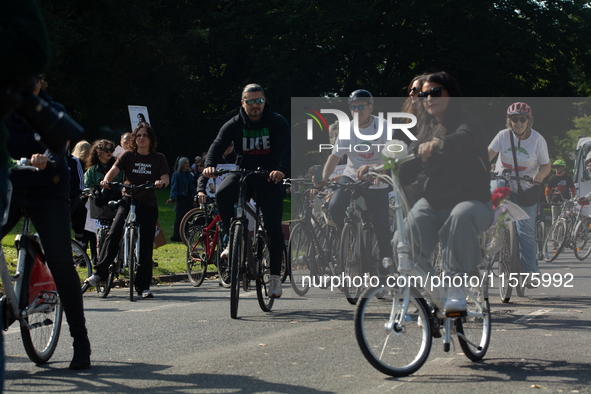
(561, 182)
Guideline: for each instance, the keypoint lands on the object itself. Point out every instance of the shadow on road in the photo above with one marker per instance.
(119, 377)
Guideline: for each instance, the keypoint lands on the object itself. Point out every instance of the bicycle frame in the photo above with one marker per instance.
(406, 267)
(211, 243)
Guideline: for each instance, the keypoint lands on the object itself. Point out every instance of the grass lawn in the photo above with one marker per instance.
(170, 257)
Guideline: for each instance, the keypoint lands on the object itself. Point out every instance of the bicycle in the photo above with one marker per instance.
(33, 300)
(395, 322)
(313, 243)
(188, 224)
(359, 252)
(508, 258)
(130, 245)
(568, 230)
(81, 260)
(204, 245)
(540, 230)
(249, 260)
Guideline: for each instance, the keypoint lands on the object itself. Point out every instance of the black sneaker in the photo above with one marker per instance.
(147, 294)
(81, 359)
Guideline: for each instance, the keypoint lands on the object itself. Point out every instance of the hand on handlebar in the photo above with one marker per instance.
(276, 176)
(426, 149)
(40, 161)
(209, 172)
(364, 169)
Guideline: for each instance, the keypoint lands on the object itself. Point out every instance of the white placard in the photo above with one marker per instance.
(137, 114)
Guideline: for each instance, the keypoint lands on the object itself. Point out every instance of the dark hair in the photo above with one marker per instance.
(151, 134)
(98, 146)
(252, 87)
(447, 81)
(428, 127)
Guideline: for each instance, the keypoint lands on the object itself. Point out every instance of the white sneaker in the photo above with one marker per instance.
(456, 300)
(275, 290)
(93, 280)
(225, 252)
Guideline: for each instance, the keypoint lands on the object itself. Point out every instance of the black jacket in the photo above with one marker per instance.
(461, 171)
(265, 143)
(22, 143)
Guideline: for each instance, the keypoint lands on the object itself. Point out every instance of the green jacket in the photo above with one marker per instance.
(94, 176)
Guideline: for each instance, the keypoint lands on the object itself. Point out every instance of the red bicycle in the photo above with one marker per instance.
(204, 246)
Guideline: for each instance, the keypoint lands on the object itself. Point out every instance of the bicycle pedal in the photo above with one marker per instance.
(455, 314)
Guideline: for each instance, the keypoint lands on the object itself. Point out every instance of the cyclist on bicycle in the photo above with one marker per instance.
(141, 164)
(263, 139)
(376, 197)
(45, 195)
(531, 152)
(456, 204)
(562, 183)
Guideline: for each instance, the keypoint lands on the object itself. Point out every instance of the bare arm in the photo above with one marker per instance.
(492, 154)
(329, 167)
(113, 172)
(543, 173)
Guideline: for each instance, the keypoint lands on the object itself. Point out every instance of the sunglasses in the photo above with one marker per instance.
(252, 101)
(108, 150)
(521, 119)
(412, 91)
(354, 107)
(435, 92)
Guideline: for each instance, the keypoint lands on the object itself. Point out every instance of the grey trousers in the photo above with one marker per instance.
(458, 229)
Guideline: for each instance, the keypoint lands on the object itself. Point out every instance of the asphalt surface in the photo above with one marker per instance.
(184, 341)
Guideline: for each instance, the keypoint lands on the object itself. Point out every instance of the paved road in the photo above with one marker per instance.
(184, 341)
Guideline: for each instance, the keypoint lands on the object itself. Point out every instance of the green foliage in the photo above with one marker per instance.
(187, 60)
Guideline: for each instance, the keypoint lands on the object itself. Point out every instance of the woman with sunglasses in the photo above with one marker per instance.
(455, 207)
(531, 152)
(99, 162)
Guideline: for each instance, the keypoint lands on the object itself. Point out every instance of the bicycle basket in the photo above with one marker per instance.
(98, 203)
(101, 213)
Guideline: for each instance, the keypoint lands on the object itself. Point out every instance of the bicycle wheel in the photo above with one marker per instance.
(103, 288)
(393, 347)
(223, 267)
(555, 240)
(236, 257)
(302, 252)
(262, 279)
(187, 224)
(540, 238)
(81, 261)
(44, 317)
(197, 257)
(351, 260)
(475, 326)
(508, 253)
(132, 259)
(583, 239)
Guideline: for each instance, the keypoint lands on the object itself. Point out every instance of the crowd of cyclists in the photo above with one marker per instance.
(448, 185)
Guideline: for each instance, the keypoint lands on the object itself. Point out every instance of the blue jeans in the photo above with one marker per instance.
(526, 231)
(457, 228)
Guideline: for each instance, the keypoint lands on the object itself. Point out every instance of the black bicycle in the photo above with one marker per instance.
(250, 260)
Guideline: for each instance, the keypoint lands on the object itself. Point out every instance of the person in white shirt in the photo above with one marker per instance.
(376, 197)
(531, 152)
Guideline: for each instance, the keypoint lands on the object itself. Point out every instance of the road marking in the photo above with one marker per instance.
(526, 318)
